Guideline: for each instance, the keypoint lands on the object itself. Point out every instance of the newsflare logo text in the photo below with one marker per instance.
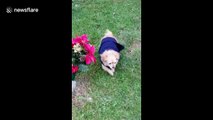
(19, 10)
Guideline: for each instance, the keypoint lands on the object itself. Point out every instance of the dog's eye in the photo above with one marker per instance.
(110, 63)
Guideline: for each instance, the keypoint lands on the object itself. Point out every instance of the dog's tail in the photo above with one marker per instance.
(108, 33)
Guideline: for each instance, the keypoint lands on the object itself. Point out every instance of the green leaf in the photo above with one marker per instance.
(73, 77)
(83, 68)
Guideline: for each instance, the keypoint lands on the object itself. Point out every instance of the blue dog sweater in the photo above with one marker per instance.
(110, 43)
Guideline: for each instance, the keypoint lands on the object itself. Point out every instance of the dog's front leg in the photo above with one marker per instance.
(111, 72)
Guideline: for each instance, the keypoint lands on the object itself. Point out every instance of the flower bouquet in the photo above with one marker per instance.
(82, 54)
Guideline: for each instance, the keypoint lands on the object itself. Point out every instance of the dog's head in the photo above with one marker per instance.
(110, 58)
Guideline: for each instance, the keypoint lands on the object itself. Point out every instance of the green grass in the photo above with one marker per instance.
(117, 97)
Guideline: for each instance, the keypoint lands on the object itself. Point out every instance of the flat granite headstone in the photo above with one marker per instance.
(73, 85)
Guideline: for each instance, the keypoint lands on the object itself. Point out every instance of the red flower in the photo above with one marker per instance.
(84, 38)
(90, 54)
(90, 58)
(76, 40)
(89, 49)
(74, 69)
(80, 39)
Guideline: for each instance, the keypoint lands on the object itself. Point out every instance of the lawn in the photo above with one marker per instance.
(101, 96)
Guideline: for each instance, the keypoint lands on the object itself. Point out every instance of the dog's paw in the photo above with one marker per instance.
(113, 70)
(111, 73)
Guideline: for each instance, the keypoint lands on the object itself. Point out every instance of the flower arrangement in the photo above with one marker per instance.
(82, 54)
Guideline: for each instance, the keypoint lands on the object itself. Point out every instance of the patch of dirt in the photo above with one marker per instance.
(135, 45)
(80, 95)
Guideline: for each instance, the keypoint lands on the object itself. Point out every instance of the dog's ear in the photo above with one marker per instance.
(104, 57)
(119, 46)
(117, 56)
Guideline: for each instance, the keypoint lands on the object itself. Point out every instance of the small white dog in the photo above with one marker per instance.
(109, 52)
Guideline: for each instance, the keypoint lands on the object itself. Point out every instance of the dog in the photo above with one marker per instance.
(109, 52)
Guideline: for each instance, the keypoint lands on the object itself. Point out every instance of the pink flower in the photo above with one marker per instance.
(90, 58)
(80, 39)
(84, 38)
(74, 69)
(90, 54)
(89, 48)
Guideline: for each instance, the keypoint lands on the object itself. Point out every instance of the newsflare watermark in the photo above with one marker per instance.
(21, 10)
